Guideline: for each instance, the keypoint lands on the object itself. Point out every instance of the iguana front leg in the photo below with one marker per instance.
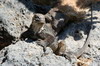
(46, 41)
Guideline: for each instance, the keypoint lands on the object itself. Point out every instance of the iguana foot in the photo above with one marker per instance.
(42, 43)
(71, 57)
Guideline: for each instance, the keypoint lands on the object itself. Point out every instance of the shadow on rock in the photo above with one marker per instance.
(77, 30)
(96, 7)
(5, 39)
(33, 7)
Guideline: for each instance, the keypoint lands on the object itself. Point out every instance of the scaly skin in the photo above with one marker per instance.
(47, 36)
(45, 33)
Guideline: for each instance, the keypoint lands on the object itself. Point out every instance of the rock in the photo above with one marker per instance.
(94, 46)
(15, 16)
(23, 54)
(15, 19)
(75, 36)
(29, 54)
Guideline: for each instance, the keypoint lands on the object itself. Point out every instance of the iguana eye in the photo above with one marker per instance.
(36, 18)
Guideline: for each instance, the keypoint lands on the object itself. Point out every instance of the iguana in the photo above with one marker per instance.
(49, 26)
(46, 34)
(72, 11)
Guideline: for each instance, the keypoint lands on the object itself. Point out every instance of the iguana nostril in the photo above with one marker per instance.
(37, 19)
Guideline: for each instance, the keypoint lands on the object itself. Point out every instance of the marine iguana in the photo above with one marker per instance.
(45, 34)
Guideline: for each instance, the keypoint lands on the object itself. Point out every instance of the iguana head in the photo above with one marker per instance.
(38, 22)
(39, 18)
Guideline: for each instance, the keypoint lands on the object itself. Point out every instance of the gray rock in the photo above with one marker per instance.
(75, 36)
(21, 54)
(15, 19)
(29, 54)
(15, 16)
